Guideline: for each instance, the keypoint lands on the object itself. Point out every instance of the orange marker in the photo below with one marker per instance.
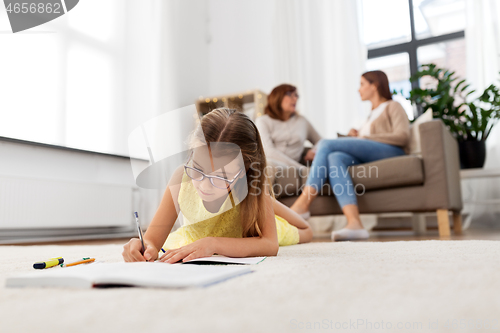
(74, 263)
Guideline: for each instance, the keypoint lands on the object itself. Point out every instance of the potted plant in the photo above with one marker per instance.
(470, 122)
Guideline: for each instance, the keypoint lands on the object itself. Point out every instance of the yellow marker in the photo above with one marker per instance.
(49, 263)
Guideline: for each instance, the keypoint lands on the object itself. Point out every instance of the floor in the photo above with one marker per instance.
(374, 286)
(472, 233)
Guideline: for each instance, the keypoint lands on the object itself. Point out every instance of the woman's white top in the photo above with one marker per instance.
(374, 114)
(283, 141)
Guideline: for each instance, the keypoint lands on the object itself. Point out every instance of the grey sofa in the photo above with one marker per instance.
(426, 181)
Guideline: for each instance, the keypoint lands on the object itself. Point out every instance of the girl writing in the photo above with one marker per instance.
(223, 195)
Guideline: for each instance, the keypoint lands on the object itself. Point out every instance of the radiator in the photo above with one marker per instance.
(38, 204)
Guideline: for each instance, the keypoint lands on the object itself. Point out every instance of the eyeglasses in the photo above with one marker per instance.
(292, 94)
(219, 182)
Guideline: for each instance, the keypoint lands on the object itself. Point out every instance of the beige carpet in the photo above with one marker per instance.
(322, 286)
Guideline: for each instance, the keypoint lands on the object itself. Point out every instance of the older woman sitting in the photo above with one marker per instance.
(283, 131)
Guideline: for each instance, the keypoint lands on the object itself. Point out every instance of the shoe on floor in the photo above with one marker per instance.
(349, 234)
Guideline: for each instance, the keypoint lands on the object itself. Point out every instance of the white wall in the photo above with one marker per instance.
(240, 46)
(174, 52)
(29, 161)
(166, 58)
(202, 48)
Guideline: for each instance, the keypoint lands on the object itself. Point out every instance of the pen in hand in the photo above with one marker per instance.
(139, 230)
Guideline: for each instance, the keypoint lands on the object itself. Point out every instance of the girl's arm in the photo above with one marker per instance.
(160, 226)
(305, 230)
(266, 245)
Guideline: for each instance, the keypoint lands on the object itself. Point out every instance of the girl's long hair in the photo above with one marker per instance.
(229, 125)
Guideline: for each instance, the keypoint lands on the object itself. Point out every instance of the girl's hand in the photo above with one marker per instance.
(201, 248)
(132, 251)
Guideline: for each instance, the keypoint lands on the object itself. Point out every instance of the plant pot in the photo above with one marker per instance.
(472, 154)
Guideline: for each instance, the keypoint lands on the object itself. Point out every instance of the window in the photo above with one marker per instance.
(401, 35)
(61, 80)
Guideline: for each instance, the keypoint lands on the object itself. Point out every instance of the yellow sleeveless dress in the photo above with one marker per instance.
(200, 223)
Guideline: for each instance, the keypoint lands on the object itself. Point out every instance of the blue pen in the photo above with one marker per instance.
(139, 230)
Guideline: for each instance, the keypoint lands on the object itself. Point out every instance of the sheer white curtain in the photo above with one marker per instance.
(483, 66)
(318, 48)
(60, 81)
(88, 78)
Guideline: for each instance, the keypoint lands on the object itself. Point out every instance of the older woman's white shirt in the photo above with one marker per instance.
(284, 140)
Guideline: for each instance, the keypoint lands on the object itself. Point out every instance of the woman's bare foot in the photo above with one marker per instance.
(354, 225)
(354, 229)
(351, 212)
(301, 209)
(301, 205)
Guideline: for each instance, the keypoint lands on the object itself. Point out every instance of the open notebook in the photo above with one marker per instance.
(138, 274)
(218, 259)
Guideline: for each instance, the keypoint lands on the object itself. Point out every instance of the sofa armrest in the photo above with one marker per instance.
(286, 180)
(441, 165)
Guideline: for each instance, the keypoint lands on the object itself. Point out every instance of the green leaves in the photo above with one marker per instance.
(447, 96)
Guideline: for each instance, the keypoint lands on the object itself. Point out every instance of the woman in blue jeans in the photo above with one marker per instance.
(384, 134)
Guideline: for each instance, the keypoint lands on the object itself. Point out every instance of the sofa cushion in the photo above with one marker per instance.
(387, 173)
(288, 180)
